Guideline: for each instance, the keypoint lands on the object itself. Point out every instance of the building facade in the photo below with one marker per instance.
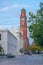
(18, 34)
(11, 41)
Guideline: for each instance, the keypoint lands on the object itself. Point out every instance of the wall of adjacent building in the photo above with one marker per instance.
(17, 33)
(12, 43)
(8, 42)
(3, 41)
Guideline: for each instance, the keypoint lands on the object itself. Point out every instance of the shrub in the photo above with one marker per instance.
(21, 50)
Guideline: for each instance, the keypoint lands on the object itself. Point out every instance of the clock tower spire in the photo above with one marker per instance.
(23, 28)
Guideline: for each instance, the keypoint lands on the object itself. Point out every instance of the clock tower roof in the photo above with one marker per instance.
(23, 10)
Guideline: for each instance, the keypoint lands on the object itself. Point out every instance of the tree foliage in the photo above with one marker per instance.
(36, 27)
(21, 50)
(34, 47)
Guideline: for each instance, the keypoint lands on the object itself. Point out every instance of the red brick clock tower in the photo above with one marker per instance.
(23, 28)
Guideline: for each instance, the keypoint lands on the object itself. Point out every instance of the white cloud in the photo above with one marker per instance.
(6, 9)
(19, 6)
(15, 5)
(4, 3)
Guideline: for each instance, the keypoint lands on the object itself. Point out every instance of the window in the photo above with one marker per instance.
(0, 36)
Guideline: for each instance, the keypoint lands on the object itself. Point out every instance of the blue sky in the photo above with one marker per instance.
(10, 11)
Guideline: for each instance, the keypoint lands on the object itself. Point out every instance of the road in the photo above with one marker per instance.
(23, 60)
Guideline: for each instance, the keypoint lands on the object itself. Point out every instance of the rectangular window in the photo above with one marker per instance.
(0, 36)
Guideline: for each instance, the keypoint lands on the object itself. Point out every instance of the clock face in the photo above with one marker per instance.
(22, 19)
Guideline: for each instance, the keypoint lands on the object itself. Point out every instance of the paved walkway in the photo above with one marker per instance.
(23, 60)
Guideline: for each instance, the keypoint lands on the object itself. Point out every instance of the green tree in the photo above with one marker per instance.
(21, 50)
(36, 27)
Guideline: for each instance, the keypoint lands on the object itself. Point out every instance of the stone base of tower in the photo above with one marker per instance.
(26, 46)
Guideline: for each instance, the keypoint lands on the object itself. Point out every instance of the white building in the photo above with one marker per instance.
(18, 34)
(11, 41)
